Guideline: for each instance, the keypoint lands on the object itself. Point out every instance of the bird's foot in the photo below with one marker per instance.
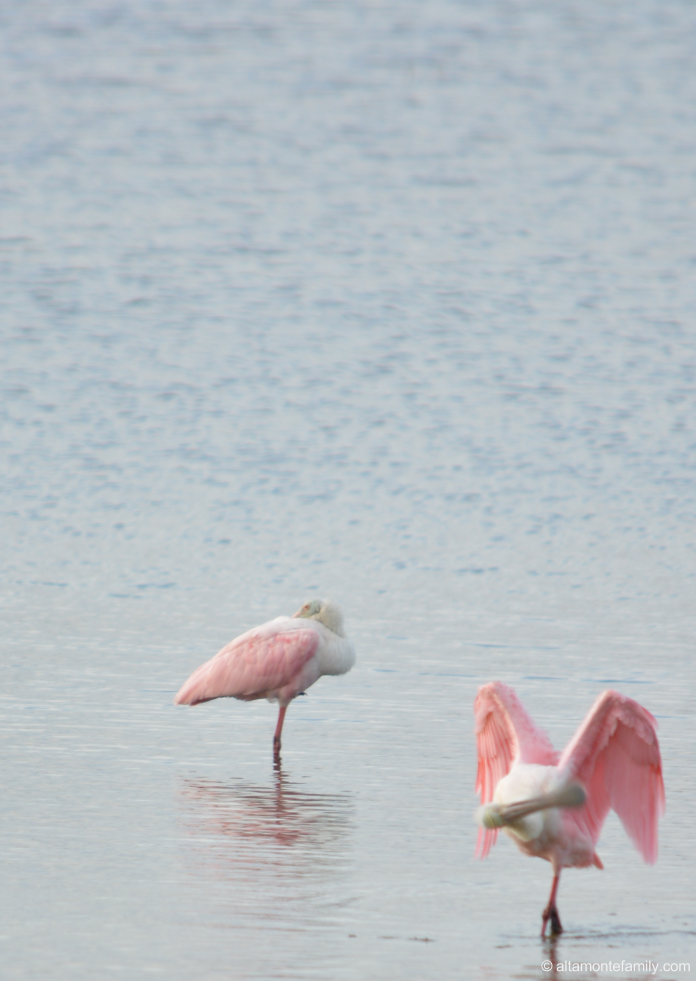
(550, 914)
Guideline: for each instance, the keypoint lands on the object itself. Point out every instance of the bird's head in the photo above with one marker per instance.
(325, 611)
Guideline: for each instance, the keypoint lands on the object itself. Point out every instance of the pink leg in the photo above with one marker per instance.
(276, 736)
(551, 911)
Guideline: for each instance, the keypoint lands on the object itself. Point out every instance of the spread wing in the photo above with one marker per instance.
(616, 756)
(253, 665)
(505, 733)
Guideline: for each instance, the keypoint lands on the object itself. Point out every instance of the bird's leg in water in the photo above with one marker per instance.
(551, 911)
(276, 736)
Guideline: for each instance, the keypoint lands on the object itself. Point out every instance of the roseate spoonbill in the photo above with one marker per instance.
(278, 660)
(554, 805)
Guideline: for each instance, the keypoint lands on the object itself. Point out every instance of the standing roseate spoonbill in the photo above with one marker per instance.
(276, 661)
(554, 805)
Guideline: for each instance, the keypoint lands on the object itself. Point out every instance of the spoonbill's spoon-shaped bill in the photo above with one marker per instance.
(277, 661)
(554, 805)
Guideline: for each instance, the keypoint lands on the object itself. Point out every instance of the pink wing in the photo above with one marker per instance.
(253, 665)
(616, 756)
(505, 733)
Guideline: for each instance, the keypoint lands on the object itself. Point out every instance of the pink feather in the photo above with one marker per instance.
(505, 734)
(266, 661)
(616, 756)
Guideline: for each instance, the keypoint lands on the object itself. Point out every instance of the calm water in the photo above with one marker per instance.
(386, 302)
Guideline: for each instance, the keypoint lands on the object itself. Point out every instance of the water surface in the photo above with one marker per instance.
(391, 303)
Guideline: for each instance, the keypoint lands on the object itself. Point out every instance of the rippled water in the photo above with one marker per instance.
(388, 302)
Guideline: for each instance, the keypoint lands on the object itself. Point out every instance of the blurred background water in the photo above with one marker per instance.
(386, 302)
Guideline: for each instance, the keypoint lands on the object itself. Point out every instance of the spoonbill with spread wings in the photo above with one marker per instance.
(554, 805)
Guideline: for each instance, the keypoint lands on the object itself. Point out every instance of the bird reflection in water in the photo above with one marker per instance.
(237, 825)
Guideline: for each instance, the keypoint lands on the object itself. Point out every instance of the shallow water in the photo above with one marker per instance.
(391, 303)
